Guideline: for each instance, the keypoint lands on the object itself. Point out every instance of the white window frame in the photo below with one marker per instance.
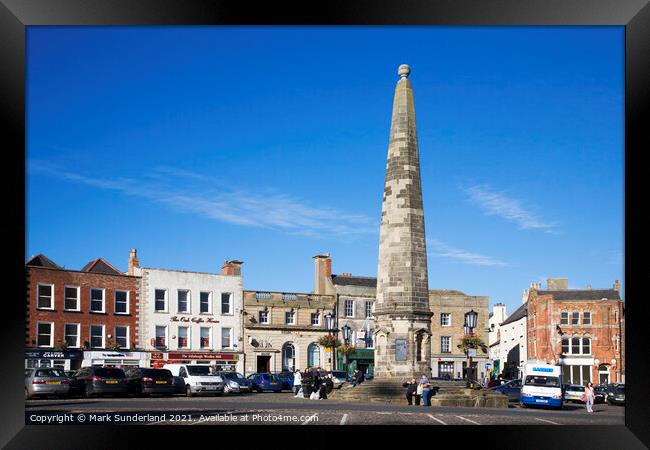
(448, 315)
(128, 302)
(78, 344)
(229, 337)
(103, 299)
(78, 288)
(51, 324)
(209, 311)
(189, 337)
(166, 300)
(582, 345)
(311, 319)
(583, 317)
(38, 296)
(188, 301)
(155, 335)
(90, 334)
(209, 337)
(268, 317)
(128, 335)
(567, 318)
(573, 313)
(370, 310)
(230, 304)
(345, 308)
(286, 317)
(442, 346)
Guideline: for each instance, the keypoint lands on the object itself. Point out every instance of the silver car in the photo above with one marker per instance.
(45, 381)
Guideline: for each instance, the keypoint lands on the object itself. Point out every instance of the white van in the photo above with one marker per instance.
(198, 379)
(541, 385)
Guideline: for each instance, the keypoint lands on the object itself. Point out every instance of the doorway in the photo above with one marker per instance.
(263, 364)
(603, 374)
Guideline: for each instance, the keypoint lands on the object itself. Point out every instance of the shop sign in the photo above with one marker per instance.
(361, 334)
(67, 354)
(203, 356)
(157, 355)
(194, 319)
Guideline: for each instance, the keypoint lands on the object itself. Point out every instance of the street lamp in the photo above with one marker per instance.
(471, 318)
(329, 319)
(346, 340)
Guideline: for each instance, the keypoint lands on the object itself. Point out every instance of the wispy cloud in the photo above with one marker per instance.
(498, 204)
(438, 248)
(197, 194)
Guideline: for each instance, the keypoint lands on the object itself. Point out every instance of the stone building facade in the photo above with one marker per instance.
(580, 329)
(282, 331)
(513, 350)
(497, 316)
(192, 317)
(447, 330)
(78, 318)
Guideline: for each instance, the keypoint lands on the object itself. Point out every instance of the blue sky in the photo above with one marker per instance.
(268, 144)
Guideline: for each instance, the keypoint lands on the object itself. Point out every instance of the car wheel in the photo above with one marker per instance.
(227, 389)
(188, 391)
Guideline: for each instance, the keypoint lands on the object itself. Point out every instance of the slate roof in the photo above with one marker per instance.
(518, 313)
(583, 294)
(41, 260)
(99, 265)
(349, 280)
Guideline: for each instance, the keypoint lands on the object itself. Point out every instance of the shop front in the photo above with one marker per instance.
(115, 358)
(362, 359)
(220, 361)
(66, 359)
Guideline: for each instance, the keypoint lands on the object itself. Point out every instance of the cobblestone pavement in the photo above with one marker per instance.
(283, 408)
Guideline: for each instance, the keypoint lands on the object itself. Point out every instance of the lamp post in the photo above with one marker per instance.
(346, 340)
(329, 324)
(470, 323)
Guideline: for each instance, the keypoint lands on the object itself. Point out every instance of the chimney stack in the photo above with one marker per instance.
(133, 261)
(617, 286)
(323, 274)
(232, 268)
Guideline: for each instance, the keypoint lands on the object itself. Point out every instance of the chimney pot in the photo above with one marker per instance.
(232, 268)
(133, 261)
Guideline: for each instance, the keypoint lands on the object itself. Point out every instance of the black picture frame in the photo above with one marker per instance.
(634, 15)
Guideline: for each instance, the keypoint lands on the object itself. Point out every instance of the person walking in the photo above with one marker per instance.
(411, 388)
(426, 392)
(297, 382)
(589, 397)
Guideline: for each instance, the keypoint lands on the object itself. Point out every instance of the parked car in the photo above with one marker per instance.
(574, 393)
(265, 382)
(339, 377)
(286, 378)
(45, 381)
(617, 396)
(92, 381)
(235, 382)
(600, 394)
(145, 381)
(198, 379)
(512, 389)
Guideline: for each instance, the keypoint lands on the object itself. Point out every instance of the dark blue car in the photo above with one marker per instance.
(265, 382)
(512, 389)
(286, 378)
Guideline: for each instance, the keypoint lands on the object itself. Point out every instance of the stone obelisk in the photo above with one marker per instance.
(402, 313)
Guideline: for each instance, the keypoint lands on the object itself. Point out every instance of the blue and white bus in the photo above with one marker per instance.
(541, 385)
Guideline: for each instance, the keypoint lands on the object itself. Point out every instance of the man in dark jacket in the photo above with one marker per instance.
(357, 377)
(411, 388)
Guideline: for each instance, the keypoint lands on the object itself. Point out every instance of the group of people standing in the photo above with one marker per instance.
(418, 390)
(318, 383)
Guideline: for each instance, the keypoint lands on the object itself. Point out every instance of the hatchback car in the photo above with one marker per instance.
(512, 389)
(235, 382)
(617, 396)
(92, 381)
(45, 381)
(286, 378)
(574, 393)
(141, 381)
(265, 382)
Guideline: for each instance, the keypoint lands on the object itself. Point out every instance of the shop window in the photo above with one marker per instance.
(161, 300)
(97, 300)
(45, 296)
(183, 301)
(183, 341)
(205, 301)
(97, 336)
(226, 303)
(71, 334)
(71, 301)
(45, 334)
(121, 302)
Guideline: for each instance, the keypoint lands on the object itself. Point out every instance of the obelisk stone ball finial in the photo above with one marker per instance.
(404, 71)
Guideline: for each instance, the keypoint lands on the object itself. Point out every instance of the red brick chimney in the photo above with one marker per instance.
(231, 268)
(323, 274)
(133, 261)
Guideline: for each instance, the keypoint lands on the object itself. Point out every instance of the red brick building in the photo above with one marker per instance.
(580, 329)
(73, 313)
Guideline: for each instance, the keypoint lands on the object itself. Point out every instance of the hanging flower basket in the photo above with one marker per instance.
(346, 349)
(329, 341)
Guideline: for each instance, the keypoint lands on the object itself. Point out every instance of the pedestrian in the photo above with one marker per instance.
(297, 382)
(356, 378)
(323, 389)
(426, 391)
(424, 380)
(589, 397)
(329, 382)
(411, 388)
(418, 394)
